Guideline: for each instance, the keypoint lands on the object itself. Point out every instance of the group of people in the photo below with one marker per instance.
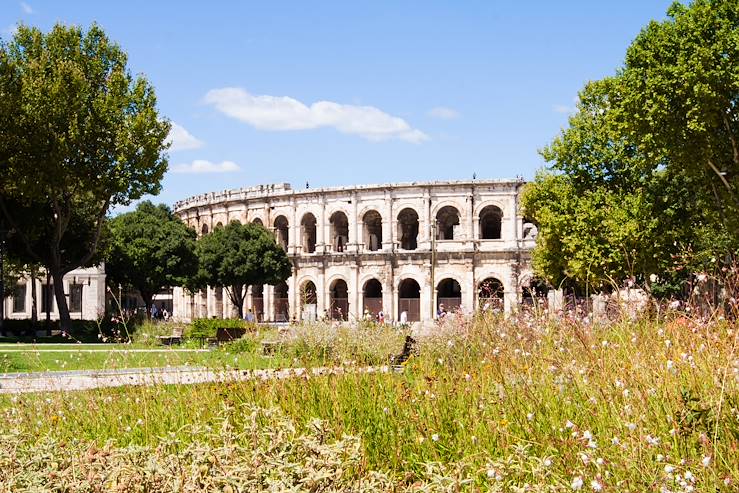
(159, 313)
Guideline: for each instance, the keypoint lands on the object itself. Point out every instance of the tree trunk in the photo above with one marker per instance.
(34, 297)
(147, 297)
(65, 322)
(237, 293)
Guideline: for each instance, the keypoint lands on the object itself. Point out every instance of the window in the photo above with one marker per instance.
(75, 298)
(19, 299)
(47, 298)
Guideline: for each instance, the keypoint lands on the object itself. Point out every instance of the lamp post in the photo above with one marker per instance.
(3, 236)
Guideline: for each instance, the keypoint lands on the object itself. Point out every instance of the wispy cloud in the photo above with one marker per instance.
(27, 9)
(282, 113)
(564, 109)
(182, 140)
(203, 166)
(443, 113)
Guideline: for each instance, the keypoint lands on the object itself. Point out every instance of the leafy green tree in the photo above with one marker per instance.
(150, 248)
(78, 134)
(647, 169)
(238, 256)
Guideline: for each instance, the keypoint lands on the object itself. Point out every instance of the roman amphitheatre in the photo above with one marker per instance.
(393, 248)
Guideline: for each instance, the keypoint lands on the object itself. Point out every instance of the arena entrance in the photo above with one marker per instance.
(281, 303)
(448, 294)
(372, 295)
(339, 299)
(257, 302)
(409, 300)
(490, 295)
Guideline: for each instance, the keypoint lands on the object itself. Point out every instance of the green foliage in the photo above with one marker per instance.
(150, 248)
(78, 134)
(240, 255)
(207, 327)
(644, 180)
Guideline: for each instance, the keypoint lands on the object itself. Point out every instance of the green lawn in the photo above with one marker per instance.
(56, 357)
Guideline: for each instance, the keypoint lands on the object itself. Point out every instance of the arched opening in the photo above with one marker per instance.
(408, 229)
(372, 297)
(534, 293)
(281, 303)
(490, 294)
(448, 295)
(372, 231)
(529, 229)
(257, 221)
(282, 231)
(308, 232)
(491, 218)
(257, 302)
(339, 299)
(446, 220)
(339, 231)
(204, 229)
(309, 301)
(409, 300)
(219, 225)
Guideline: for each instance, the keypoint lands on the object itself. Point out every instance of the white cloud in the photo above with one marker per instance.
(203, 166)
(27, 9)
(281, 113)
(182, 140)
(443, 113)
(561, 108)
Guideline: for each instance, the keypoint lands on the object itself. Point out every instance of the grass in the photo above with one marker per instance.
(489, 405)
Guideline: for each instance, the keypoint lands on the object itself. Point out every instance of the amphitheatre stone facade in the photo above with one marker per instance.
(403, 249)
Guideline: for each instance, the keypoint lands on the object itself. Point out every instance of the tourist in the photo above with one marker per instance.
(381, 317)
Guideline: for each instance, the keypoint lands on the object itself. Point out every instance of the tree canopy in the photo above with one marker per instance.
(643, 183)
(150, 248)
(78, 134)
(238, 256)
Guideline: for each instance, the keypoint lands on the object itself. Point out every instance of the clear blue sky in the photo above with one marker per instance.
(338, 93)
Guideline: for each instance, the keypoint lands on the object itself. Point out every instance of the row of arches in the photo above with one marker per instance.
(447, 222)
(449, 297)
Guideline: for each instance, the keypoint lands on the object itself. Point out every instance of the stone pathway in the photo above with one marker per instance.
(56, 381)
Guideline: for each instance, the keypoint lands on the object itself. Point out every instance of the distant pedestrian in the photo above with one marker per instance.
(381, 317)
(403, 317)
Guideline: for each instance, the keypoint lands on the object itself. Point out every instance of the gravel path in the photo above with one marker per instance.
(55, 381)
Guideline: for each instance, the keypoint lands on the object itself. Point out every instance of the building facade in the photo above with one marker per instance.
(84, 288)
(408, 250)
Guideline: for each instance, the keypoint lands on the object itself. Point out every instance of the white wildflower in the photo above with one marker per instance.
(576, 483)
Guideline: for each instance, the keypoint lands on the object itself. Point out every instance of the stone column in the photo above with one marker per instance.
(353, 225)
(468, 291)
(470, 230)
(424, 228)
(387, 223)
(294, 236)
(268, 301)
(355, 294)
(428, 293)
(293, 295)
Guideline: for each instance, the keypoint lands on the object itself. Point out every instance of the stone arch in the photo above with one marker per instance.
(219, 225)
(281, 303)
(372, 221)
(204, 229)
(339, 300)
(308, 232)
(491, 221)
(534, 291)
(448, 295)
(258, 221)
(339, 231)
(372, 296)
(408, 225)
(257, 301)
(409, 300)
(491, 294)
(308, 299)
(447, 218)
(282, 231)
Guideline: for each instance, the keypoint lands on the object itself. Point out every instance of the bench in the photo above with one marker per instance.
(269, 348)
(174, 338)
(224, 334)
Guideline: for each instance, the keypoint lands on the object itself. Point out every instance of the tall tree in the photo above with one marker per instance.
(150, 248)
(648, 167)
(238, 256)
(78, 134)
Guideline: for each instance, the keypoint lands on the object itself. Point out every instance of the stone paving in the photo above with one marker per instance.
(56, 381)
